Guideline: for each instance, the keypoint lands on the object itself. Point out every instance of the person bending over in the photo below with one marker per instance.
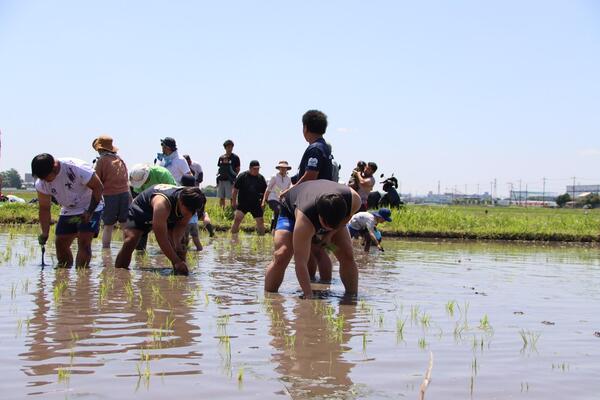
(166, 210)
(314, 211)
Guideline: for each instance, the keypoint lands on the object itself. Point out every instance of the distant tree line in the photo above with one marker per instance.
(590, 201)
(11, 179)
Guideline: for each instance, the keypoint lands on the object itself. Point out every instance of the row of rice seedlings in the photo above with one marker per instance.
(143, 367)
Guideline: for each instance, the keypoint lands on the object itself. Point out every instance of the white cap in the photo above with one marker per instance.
(138, 175)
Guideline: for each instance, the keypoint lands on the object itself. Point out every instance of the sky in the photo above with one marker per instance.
(461, 93)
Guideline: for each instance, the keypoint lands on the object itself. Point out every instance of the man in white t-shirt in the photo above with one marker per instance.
(77, 188)
(363, 225)
(171, 160)
(279, 183)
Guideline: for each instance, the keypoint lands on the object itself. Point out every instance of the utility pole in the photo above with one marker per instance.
(526, 194)
(573, 199)
(544, 192)
(492, 193)
(438, 188)
(520, 192)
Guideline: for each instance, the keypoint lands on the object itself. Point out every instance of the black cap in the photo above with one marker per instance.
(254, 163)
(188, 180)
(169, 142)
(228, 143)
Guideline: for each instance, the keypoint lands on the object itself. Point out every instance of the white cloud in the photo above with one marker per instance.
(589, 152)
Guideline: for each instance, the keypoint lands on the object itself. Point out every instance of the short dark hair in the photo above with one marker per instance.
(332, 208)
(192, 198)
(372, 165)
(315, 121)
(188, 180)
(361, 165)
(228, 143)
(42, 165)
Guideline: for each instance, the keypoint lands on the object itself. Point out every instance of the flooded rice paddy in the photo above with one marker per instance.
(500, 321)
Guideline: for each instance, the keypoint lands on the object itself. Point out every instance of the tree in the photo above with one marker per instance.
(11, 178)
(563, 199)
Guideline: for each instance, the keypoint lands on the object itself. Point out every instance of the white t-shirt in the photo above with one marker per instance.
(278, 184)
(178, 167)
(69, 187)
(363, 220)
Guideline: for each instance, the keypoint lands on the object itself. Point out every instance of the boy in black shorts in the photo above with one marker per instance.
(246, 197)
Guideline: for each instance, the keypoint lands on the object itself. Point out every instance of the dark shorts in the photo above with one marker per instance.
(286, 221)
(192, 230)
(70, 224)
(115, 208)
(140, 225)
(254, 209)
(355, 233)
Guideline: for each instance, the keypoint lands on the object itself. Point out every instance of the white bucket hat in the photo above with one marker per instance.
(138, 175)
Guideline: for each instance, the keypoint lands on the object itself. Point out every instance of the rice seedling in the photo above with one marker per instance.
(19, 326)
(129, 291)
(364, 342)
(206, 299)
(157, 297)
(561, 367)
(425, 320)
(58, 292)
(240, 375)
(380, 320)
(64, 374)
(422, 344)
(25, 286)
(150, 314)
(450, 307)
(400, 329)
(414, 313)
(13, 291)
(484, 323)
(529, 339)
(290, 341)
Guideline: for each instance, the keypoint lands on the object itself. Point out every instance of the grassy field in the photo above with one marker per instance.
(494, 223)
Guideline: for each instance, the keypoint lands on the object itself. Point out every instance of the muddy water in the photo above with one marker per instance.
(501, 321)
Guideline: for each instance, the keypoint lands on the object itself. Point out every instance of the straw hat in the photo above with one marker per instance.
(104, 143)
(283, 164)
(138, 175)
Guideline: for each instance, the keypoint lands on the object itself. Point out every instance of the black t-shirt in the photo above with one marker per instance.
(227, 167)
(316, 157)
(305, 195)
(250, 189)
(141, 208)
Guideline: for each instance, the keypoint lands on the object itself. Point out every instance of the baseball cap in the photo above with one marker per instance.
(384, 213)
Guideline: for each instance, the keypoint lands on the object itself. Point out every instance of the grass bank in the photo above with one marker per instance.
(491, 223)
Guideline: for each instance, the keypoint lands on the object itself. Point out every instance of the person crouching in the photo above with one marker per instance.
(166, 210)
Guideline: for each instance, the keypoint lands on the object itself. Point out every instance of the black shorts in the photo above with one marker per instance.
(71, 224)
(140, 225)
(254, 209)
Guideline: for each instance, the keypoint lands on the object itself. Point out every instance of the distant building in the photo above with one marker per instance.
(28, 178)
(582, 190)
(524, 195)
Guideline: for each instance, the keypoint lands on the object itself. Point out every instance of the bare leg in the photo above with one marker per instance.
(344, 254)
(197, 243)
(281, 258)
(63, 250)
(323, 262)
(207, 224)
(84, 249)
(131, 238)
(107, 236)
(312, 267)
(238, 216)
(260, 226)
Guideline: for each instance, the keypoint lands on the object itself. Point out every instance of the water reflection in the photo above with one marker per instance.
(84, 315)
(310, 346)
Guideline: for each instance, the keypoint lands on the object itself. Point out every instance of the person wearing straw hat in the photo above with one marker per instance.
(279, 183)
(112, 171)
